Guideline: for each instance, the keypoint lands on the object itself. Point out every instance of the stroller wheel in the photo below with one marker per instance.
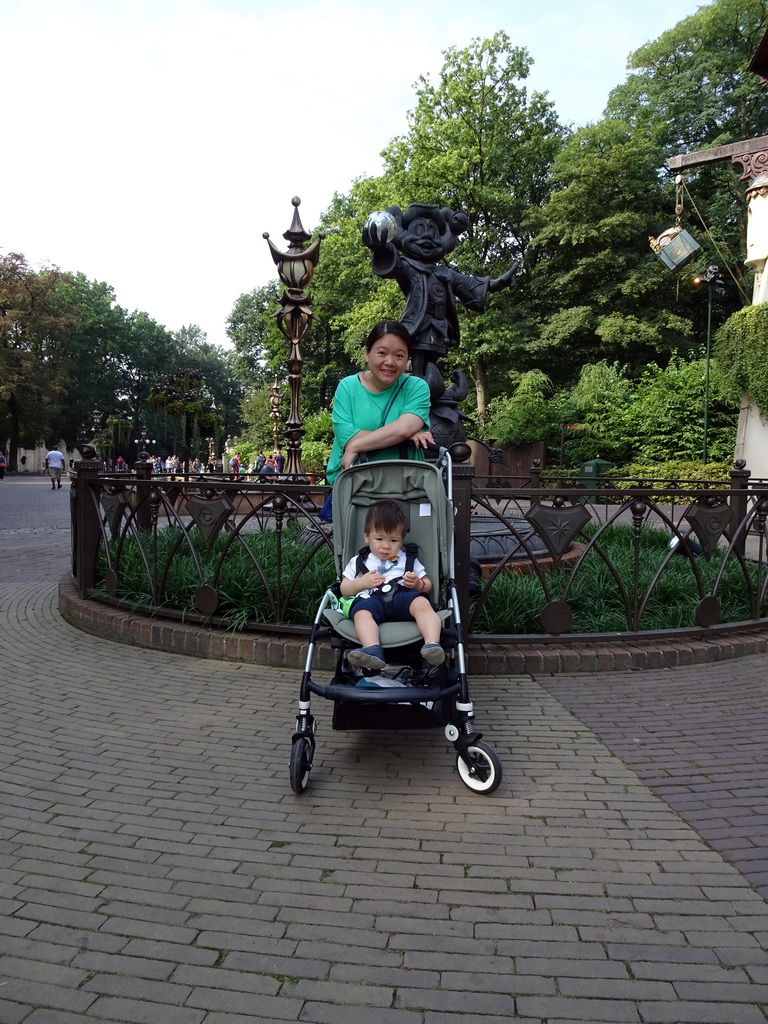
(479, 768)
(301, 763)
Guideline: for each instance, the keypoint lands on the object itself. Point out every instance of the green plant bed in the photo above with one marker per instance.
(514, 601)
(511, 606)
(243, 596)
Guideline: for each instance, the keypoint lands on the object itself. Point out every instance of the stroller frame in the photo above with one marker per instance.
(411, 696)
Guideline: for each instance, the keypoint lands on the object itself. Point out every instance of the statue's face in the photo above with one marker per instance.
(422, 240)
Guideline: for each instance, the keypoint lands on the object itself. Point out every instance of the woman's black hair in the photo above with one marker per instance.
(388, 327)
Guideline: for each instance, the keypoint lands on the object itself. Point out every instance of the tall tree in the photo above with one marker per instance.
(99, 342)
(254, 332)
(150, 351)
(219, 369)
(35, 357)
(690, 89)
(604, 293)
(613, 299)
(477, 142)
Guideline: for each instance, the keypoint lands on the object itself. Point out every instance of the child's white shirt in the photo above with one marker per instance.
(395, 568)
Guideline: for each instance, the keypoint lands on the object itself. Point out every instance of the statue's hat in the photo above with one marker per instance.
(429, 210)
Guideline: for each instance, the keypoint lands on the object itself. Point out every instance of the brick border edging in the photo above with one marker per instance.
(284, 651)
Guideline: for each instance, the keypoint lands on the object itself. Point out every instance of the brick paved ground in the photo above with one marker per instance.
(156, 867)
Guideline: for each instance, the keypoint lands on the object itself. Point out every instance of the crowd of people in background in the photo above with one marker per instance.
(262, 466)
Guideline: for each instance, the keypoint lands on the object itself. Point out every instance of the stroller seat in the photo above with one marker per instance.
(391, 634)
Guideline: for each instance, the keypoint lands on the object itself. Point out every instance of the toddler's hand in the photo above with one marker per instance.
(410, 579)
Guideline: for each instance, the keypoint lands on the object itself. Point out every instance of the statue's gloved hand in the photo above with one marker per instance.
(379, 230)
(506, 280)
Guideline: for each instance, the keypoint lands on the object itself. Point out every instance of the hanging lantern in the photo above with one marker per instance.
(675, 247)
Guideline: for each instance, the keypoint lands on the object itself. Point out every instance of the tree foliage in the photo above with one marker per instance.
(35, 354)
(689, 90)
(741, 347)
(252, 329)
(527, 414)
(477, 142)
(606, 291)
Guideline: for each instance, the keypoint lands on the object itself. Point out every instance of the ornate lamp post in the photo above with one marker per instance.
(100, 439)
(98, 430)
(295, 268)
(142, 444)
(212, 441)
(274, 414)
(714, 281)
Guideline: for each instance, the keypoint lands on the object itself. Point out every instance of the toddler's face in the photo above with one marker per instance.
(384, 544)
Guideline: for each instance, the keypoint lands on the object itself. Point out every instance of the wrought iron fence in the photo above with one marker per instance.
(536, 560)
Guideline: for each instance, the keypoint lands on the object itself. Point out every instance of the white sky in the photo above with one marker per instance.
(150, 143)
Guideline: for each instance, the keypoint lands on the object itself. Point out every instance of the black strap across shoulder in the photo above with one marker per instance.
(411, 554)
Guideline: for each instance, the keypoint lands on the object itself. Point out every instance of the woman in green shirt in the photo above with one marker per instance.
(377, 409)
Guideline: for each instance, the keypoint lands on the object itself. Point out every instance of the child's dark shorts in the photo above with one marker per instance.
(398, 610)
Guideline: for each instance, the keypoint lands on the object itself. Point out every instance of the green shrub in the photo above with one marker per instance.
(528, 415)
(319, 427)
(243, 595)
(675, 469)
(741, 347)
(512, 604)
(515, 600)
(314, 456)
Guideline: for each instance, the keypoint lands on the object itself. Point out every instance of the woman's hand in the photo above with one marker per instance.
(422, 438)
(351, 452)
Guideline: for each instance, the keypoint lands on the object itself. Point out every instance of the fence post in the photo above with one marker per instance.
(738, 501)
(462, 499)
(143, 474)
(535, 480)
(86, 524)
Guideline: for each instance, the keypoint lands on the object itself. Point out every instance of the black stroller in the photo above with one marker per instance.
(404, 694)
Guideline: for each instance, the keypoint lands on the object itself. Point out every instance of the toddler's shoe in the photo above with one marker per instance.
(367, 657)
(433, 654)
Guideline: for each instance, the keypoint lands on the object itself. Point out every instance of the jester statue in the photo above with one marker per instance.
(408, 248)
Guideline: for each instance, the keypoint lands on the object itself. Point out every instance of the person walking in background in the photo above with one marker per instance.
(2, 465)
(279, 461)
(54, 463)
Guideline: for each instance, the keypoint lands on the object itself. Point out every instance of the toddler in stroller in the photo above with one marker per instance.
(388, 583)
(380, 679)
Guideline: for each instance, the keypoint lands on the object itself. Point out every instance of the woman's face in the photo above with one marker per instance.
(386, 361)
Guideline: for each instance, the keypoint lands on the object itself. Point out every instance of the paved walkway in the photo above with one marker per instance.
(155, 866)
